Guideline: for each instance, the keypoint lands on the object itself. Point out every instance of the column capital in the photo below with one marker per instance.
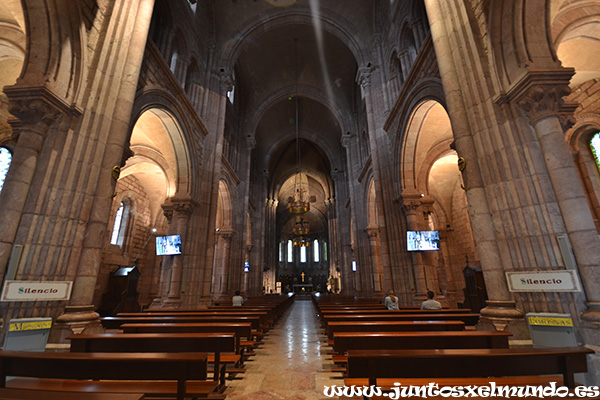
(363, 75)
(226, 79)
(540, 94)
(36, 108)
(372, 231)
(250, 142)
(410, 202)
(225, 234)
(347, 140)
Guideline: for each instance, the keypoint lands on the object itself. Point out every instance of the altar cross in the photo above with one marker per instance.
(302, 274)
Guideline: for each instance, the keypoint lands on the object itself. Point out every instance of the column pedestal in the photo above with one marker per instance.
(75, 320)
(503, 316)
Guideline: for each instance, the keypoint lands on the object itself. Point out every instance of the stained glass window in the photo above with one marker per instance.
(316, 248)
(280, 251)
(5, 159)
(595, 145)
(290, 256)
(303, 254)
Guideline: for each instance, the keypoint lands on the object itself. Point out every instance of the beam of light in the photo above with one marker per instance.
(315, 13)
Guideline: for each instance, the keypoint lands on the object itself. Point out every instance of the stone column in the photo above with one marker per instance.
(540, 95)
(221, 289)
(35, 119)
(333, 235)
(501, 310)
(411, 205)
(91, 251)
(182, 211)
(377, 262)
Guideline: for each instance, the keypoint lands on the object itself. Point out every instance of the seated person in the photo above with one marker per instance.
(391, 301)
(237, 300)
(430, 304)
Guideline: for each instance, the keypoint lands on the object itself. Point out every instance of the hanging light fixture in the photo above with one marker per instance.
(300, 203)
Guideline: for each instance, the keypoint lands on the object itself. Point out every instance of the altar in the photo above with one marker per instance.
(302, 288)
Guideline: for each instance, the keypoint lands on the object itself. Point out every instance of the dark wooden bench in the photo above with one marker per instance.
(241, 330)
(262, 315)
(393, 326)
(156, 374)
(467, 318)
(116, 322)
(19, 394)
(467, 363)
(345, 341)
(215, 343)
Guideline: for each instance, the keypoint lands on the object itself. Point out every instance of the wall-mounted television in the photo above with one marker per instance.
(168, 245)
(422, 240)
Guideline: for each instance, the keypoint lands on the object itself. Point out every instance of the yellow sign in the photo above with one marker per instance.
(29, 326)
(550, 321)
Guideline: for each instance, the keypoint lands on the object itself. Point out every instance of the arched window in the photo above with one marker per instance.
(5, 159)
(595, 145)
(316, 251)
(303, 254)
(280, 251)
(290, 248)
(120, 225)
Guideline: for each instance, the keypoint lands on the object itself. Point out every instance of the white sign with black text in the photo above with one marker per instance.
(543, 281)
(36, 290)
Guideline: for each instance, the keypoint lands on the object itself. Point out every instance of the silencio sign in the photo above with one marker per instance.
(36, 290)
(543, 281)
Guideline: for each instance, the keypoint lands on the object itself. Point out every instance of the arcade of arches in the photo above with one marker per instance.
(122, 121)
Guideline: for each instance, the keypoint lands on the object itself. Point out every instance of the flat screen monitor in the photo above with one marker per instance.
(168, 245)
(423, 240)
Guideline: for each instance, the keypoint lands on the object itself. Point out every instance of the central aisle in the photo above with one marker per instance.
(289, 363)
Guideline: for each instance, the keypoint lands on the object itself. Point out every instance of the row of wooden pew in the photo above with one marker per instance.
(375, 346)
(153, 354)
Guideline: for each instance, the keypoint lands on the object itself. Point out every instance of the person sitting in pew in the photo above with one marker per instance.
(237, 300)
(430, 303)
(391, 301)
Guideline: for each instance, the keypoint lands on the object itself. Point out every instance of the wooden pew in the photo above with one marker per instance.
(345, 341)
(443, 363)
(262, 316)
(216, 343)
(159, 374)
(393, 326)
(116, 322)
(16, 394)
(468, 319)
(241, 330)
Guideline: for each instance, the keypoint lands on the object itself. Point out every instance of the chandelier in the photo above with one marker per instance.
(300, 203)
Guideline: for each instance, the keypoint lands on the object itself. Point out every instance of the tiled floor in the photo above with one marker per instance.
(290, 363)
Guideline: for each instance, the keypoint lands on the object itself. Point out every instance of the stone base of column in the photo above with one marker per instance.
(171, 303)
(592, 314)
(75, 320)
(503, 316)
(156, 303)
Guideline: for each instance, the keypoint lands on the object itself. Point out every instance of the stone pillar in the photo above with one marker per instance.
(333, 235)
(182, 210)
(377, 262)
(221, 290)
(501, 310)
(411, 205)
(91, 251)
(36, 115)
(540, 95)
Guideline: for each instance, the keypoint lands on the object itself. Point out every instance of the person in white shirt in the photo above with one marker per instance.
(237, 300)
(431, 304)
(391, 301)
